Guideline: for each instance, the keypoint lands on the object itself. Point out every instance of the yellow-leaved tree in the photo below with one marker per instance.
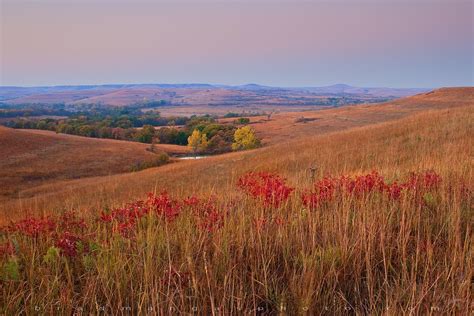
(197, 141)
(244, 138)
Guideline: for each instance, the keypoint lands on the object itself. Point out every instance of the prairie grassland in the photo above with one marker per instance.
(284, 125)
(224, 251)
(64, 157)
(30, 158)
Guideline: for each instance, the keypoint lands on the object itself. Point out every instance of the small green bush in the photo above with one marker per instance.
(11, 270)
(242, 120)
(160, 160)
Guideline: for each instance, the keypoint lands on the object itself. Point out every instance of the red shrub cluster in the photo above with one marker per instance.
(126, 217)
(267, 187)
(69, 244)
(363, 184)
(422, 181)
(206, 212)
(124, 214)
(33, 227)
(164, 206)
(67, 230)
(69, 221)
(58, 228)
(326, 188)
(37, 226)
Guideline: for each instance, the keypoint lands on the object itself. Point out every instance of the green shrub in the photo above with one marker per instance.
(160, 160)
(242, 120)
(11, 270)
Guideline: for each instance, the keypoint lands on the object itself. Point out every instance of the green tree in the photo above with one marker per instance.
(242, 120)
(146, 134)
(245, 138)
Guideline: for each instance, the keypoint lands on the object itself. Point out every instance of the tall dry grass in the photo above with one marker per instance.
(364, 255)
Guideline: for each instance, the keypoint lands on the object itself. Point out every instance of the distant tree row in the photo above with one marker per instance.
(243, 114)
(10, 110)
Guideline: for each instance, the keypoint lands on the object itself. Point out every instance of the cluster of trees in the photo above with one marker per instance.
(202, 133)
(150, 103)
(243, 138)
(214, 138)
(8, 110)
(119, 125)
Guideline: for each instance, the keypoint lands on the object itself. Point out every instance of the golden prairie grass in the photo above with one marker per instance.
(364, 255)
(31, 158)
(284, 124)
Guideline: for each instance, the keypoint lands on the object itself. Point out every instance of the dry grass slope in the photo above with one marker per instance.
(31, 158)
(283, 126)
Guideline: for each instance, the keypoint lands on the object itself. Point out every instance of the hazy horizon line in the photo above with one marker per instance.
(219, 85)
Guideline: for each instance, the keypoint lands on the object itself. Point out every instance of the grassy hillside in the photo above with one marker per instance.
(203, 95)
(295, 144)
(281, 129)
(31, 158)
(361, 244)
(285, 125)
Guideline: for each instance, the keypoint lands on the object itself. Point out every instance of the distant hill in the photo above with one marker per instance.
(338, 89)
(197, 94)
(286, 125)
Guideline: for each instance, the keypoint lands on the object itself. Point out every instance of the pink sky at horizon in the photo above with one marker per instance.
(388, 43)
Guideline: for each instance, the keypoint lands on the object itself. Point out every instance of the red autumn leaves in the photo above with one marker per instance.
(206, 212)
(268, 189)
(272, 190)
(66, 230)
(328, 188)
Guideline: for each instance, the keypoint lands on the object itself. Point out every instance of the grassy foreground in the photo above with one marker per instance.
(348, 240)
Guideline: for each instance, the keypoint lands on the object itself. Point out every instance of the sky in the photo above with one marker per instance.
(391, 43)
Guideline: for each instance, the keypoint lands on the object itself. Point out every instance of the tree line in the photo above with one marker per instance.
(202, 133)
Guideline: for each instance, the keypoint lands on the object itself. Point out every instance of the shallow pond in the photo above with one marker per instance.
(192, 157)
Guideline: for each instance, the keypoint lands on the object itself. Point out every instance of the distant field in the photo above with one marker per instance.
(204, 96)
(31, 158)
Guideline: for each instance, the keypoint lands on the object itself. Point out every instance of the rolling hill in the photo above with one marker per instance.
(338, 140)
(198, 95)
(299, 124)
(31, 158)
